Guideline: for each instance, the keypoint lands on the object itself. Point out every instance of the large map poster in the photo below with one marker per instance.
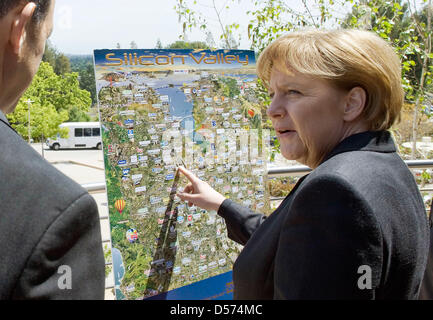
(164, 108)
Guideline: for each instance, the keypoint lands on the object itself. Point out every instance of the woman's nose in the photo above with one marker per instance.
(276, 108)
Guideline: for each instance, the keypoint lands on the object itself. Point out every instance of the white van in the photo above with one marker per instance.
(81, 135)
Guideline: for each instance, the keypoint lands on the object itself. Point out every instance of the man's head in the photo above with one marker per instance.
(25, 25)
(40, 13)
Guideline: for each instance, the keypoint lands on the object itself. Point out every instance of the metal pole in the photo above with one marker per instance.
(287, 171)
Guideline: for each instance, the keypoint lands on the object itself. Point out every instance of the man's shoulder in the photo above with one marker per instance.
(37, 199)
(24, 172)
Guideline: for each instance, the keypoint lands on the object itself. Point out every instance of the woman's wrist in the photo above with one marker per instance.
(219, 199)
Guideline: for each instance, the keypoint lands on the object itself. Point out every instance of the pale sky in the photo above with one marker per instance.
(83, 25)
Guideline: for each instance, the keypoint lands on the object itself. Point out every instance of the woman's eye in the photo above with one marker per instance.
(293, 92)
(271, 95)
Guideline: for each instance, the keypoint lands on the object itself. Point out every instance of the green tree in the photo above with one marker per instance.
(50, 54)
(158, 44)
(52, 99)
(83, 64)
(57, 60)
(268, 19)
(133, 45)
(191, 18)
(409, 31)
(63, 65)
(87, 81)
(78, 115)
(399, 22)
(188, 45)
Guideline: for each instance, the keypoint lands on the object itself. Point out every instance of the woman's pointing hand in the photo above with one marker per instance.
(199, 193)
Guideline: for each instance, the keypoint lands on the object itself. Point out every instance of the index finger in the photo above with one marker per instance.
(190, 176)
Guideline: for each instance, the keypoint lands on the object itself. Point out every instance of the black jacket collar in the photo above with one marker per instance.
(376, 141)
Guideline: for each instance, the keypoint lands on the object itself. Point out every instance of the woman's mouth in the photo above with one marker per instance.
(285, 133)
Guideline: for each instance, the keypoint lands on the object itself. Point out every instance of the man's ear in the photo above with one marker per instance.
(355, 103)
(19, 26)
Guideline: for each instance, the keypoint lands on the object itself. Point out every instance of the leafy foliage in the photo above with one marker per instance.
(399, 22)
(57, 60)
(410, 32)
(188, 45)
(51, 98)
(83, 64)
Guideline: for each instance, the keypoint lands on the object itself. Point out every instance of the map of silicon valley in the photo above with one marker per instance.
(154, 120)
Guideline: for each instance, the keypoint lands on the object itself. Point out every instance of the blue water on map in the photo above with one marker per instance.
(119, 272)
(180, 107)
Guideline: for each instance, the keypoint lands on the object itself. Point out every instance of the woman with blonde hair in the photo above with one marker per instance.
(355, 227)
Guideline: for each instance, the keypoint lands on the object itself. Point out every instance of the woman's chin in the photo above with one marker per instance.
(289, 155)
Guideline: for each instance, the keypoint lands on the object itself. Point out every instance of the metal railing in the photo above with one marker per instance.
(284, 172)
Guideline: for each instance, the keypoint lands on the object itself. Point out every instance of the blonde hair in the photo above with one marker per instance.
(347, 58)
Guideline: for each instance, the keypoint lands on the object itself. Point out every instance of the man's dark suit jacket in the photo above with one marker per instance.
(46, 221)
(359, 211)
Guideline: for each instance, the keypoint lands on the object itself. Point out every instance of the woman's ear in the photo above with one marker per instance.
(355, 103)
(20, 21)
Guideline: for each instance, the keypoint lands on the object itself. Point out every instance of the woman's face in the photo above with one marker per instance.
(307, 114)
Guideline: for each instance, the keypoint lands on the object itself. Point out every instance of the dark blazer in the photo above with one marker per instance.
(47, 221)
(426, 292)
(354, 228)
